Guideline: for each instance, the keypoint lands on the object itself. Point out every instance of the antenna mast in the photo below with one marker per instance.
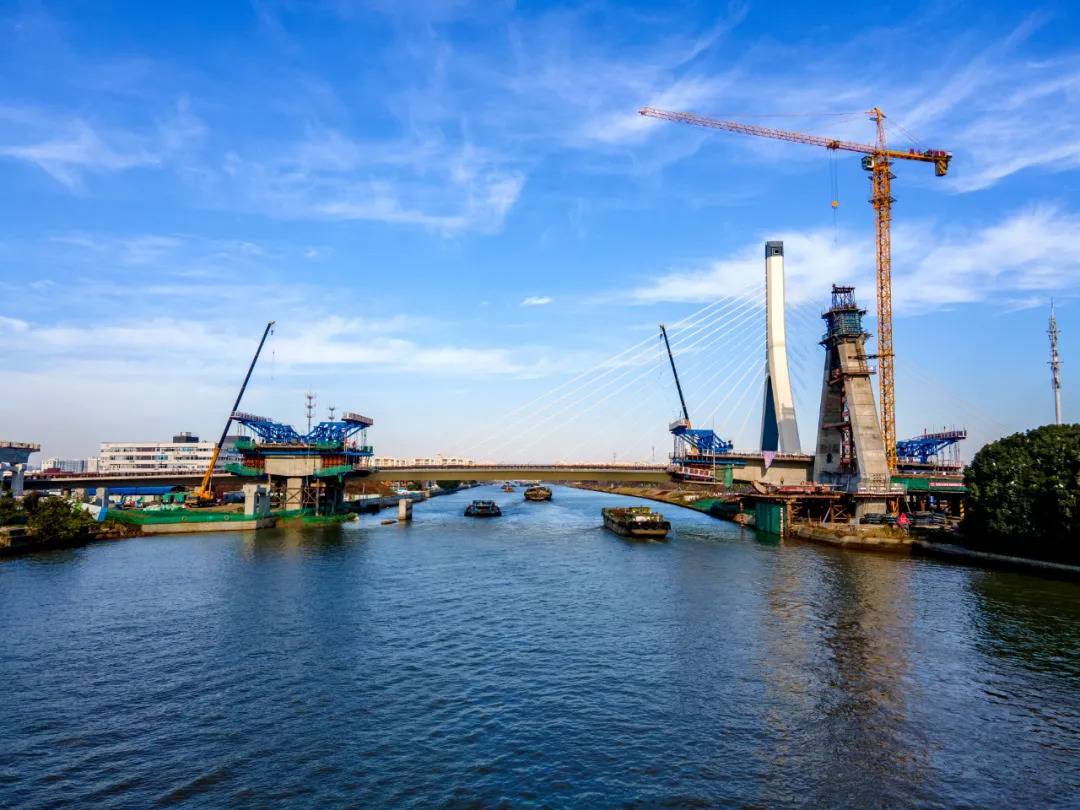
(1055, 364)
(310, 397)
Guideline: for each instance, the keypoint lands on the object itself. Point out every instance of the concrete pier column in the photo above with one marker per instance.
(294, 494)
(256, 501)
(404, 509)
(18, 480)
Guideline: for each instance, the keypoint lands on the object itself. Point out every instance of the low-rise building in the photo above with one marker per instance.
(71, 465)
(184, 454)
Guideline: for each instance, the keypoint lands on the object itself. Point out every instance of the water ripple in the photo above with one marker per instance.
(534, 660)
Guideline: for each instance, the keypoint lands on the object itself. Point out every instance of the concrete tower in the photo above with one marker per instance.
(850, 450)
(779, 430)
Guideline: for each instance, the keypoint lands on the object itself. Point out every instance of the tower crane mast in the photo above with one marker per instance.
(877, 160)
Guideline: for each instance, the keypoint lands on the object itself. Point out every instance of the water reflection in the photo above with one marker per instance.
(839, 635)
(1031, 621)
(299, 539)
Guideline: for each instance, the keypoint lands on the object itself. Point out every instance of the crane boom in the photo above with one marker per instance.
(877, 160)
(203, 492)
(678, 385)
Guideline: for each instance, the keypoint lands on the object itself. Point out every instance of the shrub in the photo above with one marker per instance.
(1024, 494)
(55, 520)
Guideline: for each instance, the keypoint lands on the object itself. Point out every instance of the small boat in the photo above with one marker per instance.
(508, 487)
(538, 494)
(483, 509)
(639, 522)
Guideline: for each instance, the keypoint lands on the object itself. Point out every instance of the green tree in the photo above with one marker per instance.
(1024, 494)
(56, 520)
(30, 501)
(10, 511)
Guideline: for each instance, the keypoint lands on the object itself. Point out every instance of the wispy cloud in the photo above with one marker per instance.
(78, 148)
(536, 300)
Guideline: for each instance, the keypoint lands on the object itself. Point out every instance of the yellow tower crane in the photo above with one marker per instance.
(877, 160)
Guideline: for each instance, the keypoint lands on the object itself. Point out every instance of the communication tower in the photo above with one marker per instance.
(1055, 364)
(310, 397)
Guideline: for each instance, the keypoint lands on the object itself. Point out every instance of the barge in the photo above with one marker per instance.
(638, 522)
(483, 509)
(538, 494)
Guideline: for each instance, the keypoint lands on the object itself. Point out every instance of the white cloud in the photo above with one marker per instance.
(536, 300)
(13, 324)
(812, 261)
(327, 342)
(1007, 263)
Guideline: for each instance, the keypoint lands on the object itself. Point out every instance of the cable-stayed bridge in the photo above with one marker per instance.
(731, 373)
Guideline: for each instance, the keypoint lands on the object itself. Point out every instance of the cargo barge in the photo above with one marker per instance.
(638, 522)
(483, 509)
(538, 494)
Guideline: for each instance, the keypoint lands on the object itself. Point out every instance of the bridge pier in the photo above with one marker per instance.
(256, 501)
(12, 478)
(294, 494)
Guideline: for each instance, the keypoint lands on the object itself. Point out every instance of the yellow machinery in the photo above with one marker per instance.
(204, 495)
(877, 160)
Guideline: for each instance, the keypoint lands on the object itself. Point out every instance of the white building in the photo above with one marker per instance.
(71, 465)
(184, 454)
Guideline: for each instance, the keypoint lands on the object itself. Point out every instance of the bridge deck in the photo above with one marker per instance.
(529, 472)
(789, 469)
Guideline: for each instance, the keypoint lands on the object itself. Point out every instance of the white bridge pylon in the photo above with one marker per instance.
(779, 428)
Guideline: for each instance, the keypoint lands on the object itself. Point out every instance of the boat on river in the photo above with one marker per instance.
(638, 522)
(483, 509)
(538, 494)
(508, 487)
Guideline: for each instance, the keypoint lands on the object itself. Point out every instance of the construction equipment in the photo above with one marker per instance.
(877, 160)
(204, 495)
(927, 448)
(698, 442)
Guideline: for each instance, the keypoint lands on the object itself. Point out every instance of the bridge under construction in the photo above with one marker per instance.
(312, 470)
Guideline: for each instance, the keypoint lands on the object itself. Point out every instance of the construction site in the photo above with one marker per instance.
(857, 471)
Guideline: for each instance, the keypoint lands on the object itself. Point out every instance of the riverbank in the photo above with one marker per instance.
(18, 540)
(879, 539)
(954, 552)
(685, 499)
(854, 536)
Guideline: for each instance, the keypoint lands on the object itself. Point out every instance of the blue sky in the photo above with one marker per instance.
(451, 208)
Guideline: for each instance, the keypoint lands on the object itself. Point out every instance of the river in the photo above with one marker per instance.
(533, 659)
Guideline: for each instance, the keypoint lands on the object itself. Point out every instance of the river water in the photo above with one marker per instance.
(534, 659)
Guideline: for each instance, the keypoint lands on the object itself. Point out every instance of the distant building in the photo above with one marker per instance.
(184, 454)
(71, 465)
(387, 462)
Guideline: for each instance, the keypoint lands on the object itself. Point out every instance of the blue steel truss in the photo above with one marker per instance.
(325, 433)
(926, 448)
(698, 442)
(705, 441)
